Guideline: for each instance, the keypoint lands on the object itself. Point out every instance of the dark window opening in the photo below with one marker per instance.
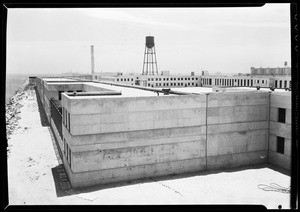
(280, 145)
(281, 115)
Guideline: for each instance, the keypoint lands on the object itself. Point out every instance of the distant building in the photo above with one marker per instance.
(272, 71)
(165, 80)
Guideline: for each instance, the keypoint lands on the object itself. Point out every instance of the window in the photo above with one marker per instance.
(131, 79)
(148, 84)
(280, 145)
(121, 79)
(275, 83)
(281, 115)
(285, 84)
(210, 81)
(280, 84)
(69, 121)
(262, 81)
(70, 153)
(156, 79)
(65, 148)
(159, 79)
(95, 76)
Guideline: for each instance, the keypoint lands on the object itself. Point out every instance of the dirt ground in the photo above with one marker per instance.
(32, 159)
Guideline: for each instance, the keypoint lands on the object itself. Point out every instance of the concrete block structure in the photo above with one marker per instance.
(280, 130)
(237, 129)
(138, 134)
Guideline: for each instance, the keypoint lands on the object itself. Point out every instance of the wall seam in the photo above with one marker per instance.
(268, 134)
(206, 108)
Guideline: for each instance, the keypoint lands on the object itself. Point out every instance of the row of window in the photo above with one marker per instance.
(171, 79)
(173, 84)
(124, 79)
(231, 82)
(66, 118)
(244, 82)
(278, 84)
(280, 140)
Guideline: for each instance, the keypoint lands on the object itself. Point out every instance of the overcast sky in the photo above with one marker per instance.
(227, 40)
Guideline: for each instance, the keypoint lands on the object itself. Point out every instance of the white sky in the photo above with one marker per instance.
(227, 40)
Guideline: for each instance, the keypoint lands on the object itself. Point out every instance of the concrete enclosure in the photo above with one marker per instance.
(109, 139)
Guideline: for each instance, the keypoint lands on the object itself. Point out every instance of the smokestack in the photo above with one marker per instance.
(92, 61)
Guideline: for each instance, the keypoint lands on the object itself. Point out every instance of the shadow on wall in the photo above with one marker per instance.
(43, 116)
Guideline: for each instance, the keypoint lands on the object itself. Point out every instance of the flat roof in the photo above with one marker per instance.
(126, 91)
(57, 79)
(227, 89)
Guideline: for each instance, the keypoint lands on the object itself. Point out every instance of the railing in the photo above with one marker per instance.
(56, 115)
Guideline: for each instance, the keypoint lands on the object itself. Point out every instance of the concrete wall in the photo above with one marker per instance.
(129, 138)
(88, 88)
(280, 100)
(120, 139)
(237, 129)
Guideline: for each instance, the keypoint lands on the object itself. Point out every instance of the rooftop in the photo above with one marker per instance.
(32, 178)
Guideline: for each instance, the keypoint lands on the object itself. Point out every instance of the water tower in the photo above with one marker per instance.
(150, 62)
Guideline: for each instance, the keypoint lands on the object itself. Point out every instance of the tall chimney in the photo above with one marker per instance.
(92, 61)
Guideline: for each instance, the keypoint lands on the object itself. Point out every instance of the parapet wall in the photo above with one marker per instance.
(119, 139)
(237, 129)
(127, 138)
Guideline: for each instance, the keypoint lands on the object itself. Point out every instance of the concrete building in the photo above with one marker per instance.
(110, 133)
(259, 77)
(279, 78)
(165, 80)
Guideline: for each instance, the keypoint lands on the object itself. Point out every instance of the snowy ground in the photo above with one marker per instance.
(32, 159)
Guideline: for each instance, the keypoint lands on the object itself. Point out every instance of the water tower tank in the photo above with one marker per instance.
(149, 41)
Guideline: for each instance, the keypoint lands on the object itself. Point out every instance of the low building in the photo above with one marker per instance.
(112, 133)
(165, 80)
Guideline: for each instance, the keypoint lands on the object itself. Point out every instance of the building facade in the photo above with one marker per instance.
(108, 136)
